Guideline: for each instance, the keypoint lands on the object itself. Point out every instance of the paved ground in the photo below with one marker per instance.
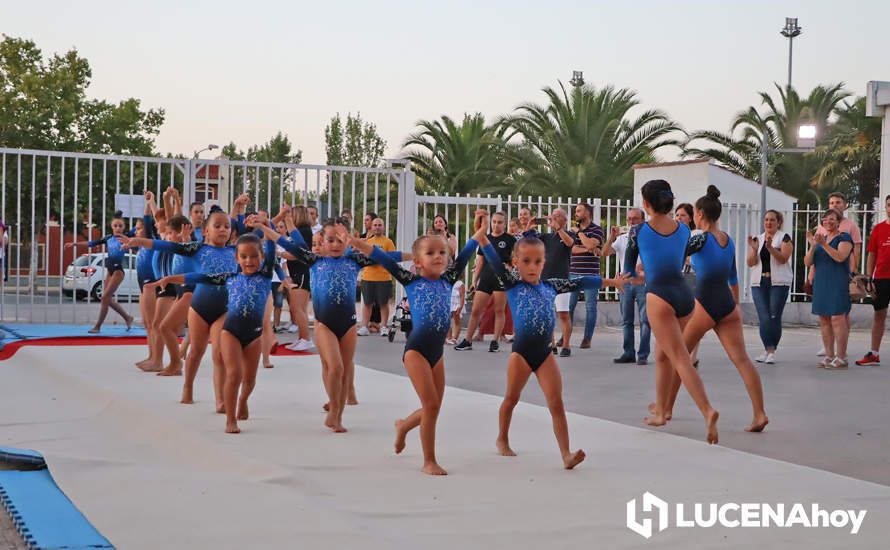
(830, 420)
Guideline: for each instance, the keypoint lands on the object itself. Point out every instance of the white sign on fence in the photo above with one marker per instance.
(132, 206)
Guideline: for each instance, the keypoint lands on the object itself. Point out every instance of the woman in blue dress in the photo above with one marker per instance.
(831, 299)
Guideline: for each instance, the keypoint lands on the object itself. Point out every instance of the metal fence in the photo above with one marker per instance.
(49, 198)
(738, 220)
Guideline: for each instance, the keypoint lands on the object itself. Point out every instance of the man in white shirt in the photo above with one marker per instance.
(633, 294)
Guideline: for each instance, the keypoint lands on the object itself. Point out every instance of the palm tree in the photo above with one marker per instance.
(851, 156)
(452, 158)
(583, 143)
(740, 149)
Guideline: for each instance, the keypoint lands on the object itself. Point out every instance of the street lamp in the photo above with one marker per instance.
(577, 78)
(806, 143)
(210, 147)
(791, 30)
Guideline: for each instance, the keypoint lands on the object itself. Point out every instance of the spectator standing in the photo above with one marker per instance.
(314, 224)
(771, 277)
(585, 260)
(830, 253)
(633, 296)
(376, 281)
(878, 270)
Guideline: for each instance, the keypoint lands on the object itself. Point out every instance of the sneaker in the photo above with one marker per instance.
(770, 359)
(821, 352)
(642, 362)
(363, 331)
(761, 358)
(839, 363)
(508, 338)
(384, 331)
(299, 345)
(825, 362)
(623, 359)
(869, 359)
(293, 328)
(566, 352)
(585, 344)
(450, 341)
(464, 345)
(494, 347)
(554, 350)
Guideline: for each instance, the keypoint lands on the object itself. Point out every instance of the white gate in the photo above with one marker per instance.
(49, 198)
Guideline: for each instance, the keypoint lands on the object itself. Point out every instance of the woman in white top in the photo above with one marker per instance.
(771, 277)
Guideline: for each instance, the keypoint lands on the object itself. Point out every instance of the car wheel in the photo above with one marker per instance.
(96, 293)
(67, 293)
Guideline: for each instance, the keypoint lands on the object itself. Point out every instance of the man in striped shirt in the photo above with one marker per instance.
(586, 261)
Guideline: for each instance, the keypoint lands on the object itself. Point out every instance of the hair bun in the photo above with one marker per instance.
(118, 213)
(713, 192)
(215, 208)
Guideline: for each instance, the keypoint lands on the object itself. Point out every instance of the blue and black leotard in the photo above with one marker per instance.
(247, 296)
(532, 307)
(162, 266)
(208, 301)
(115, 250)
(144, 271)
(333, 283)
(430, 301)
(663, 257)
(715, 271)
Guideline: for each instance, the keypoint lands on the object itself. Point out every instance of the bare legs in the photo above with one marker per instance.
(169, 331)
(500, 314)
(147, 301)
(297, 302)
(550, 380)
(337, 371)
(429, 383)
(199, 331)
(729, 332)
(877, 329)
(671, 354)
(109, 288)
(241, 366)
(162, 306)
(268, 336)
(480, 302)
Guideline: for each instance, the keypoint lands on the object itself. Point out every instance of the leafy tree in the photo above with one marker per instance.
(459, 158)
(851, 154)
(584, 142)
(355, 143)
(740, 149)
(278, 149)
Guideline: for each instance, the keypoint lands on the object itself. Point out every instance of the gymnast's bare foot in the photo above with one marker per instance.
(148, 367)
(711, 420)
(433, 469)
(220, 407)
(504, 448)
(173, 369)
(570, 459)
(401, 433)
(187, 397)
(667, 415)
(334, 424)
(242, 410)
(758, 424)
(655, 420)
(232, 428)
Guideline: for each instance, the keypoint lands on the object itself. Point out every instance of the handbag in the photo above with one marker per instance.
(858, 289)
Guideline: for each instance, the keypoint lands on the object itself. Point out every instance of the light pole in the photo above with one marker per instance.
(791, 30)
(210, 147)
(577, 79)
(806, 143)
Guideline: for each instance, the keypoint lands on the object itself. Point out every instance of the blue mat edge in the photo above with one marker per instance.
(22, 523)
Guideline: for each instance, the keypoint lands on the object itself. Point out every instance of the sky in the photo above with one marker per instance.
(241, 71)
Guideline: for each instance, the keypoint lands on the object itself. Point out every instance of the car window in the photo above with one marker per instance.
(81, 261)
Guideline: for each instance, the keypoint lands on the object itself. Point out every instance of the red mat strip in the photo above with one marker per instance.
(11, 348)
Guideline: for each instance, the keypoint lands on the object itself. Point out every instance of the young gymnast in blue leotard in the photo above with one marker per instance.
(114, 270)
(429, 293)
(716, 294)
(208, 306)
(240, 338)
(333, 282)
(531, 304)
(661, 243)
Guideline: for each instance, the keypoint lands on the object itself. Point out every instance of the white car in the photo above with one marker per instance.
(86, 275)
